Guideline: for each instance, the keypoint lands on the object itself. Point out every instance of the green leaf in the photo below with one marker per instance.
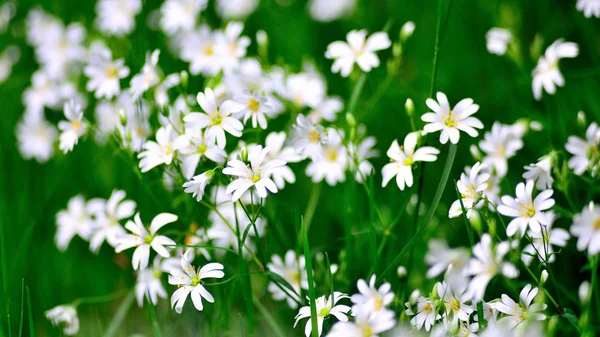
(570, 316)
(311, 285)
(155, 325)
(119, 316)
(30, 311)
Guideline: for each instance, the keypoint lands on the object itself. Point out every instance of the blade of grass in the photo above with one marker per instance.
(119, 316)
(245, 279)
(372, 229)
(278, 331)
(329, 273)
(30, 312)
(311, 285)
(313, 202)
(430, 212)
(22, 304)
(155, 325)
(4, 276)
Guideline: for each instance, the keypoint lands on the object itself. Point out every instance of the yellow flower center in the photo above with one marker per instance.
(450, 121)
(156, 274)
(75, 124)
(255, 178)
(367, 331)
(293, 277)
(216, 119)
(409, 160)
(469, 193)
(253, 105)
(324, 311)
(455, 305)
(168, 150)
(208, 50)
(527, 210)
(597, 224)
(427, 308)
(331, 155)
(314, 136)
(518, 313)
(148, 239)
(195, 280)
(202, 148)
(111, 72)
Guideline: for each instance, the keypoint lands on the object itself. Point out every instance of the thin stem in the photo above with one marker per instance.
(100, 299)
(311, 207)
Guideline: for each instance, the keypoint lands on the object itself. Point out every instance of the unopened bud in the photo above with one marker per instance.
(536, 126)
(414, 296)
(351, 120)
(407, 31)
(262, 41)
(184, 78)
(122, 116)
(581, 120)
(543, 277)
(584, 292)
(397, 50)
(401, 272)
(244, 154)
(334, 268)
(475, 152)
(410, 107)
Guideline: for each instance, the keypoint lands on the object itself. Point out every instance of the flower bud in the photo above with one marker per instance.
(122, 116)
(244, 154)
(584, 292)
(543, 277)
(410, 107)
(475, 152)
(414, 296)
(536, 126)
(397, 50)
(401, 272)
(262, 40)
(351, 120)
(184, 78)
(407, 31)
(581, 120)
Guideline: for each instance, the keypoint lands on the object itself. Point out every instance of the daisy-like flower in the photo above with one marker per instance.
(467, 330)
(540, 172)
(216, 119)
(117, 17)
(547, 74)
(371, 299)
(451, 121)
(197, 185)
(104, 73)
(304, 90)
(327, 110)
(161, 151)
(526, 211)
(235, 9)
(441, 258)
(332, 163)
(497, 39)
(257, 173)
(108, 214)
(309, 138)
(586, 155)
(198, 147)
(230, 46)
(329, 10)
(518, 312)
(426, 314)
(490, 313)
(471, 186)
(325, 308)
(148, 76)
(365, 325)
(500, 144)
(402, 159)
(64, 316)
(180, 15)
(253, 105)
(487, 262)
(75, 220)
(148, 282)
(586, 226)
(293, 270)
(199, 51)
(190, 282)
(455, 301)
(360, 155)
(36, 137)
(143, 239)
(73, 128)
(589, 8)
(359, 49)
(542, 242)
(277, 150)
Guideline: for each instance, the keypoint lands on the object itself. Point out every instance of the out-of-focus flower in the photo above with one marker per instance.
(547, 74)
(518, 312)
(64, 316)
(293, 270)
(235, 9)
(589, 8)
(586, 155)
(75, 220)
(117, 17)
(358, 50)
(329, 10)
(180, 15)
(104, 73)
(586, 227)
(332, 162)
(326, 306)
(471, 186)
(497, 40)
(73, 128)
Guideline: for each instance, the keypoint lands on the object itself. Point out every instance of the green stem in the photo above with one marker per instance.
(311, 207)
(100, 299)
(119, 316)
(356, 92)
(430, 213)
(269, 318)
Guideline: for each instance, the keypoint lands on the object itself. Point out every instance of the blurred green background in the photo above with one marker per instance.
(32, 193)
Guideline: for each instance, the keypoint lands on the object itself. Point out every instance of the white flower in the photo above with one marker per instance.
(366, 325)
(143, 239)
(75, 220)
(117, 17)
(455, 301)
(8, 58)
(471, 186)
(331, 163)
(490, 313)
(542, 242)
(64, 316)
(329, 10)
(181, 15)
(161, 151)
(230, 46)
(526, 211)
(426, 314)
(497, 40)
(487, 263)
(360, 154)
(540, 172)
(500, 144)
(36, 137)
(148, 282)
(235, 9)
(451, 261)
(304, 90)
(108, 214)
(199, 147)
(358, 49)
(308, 137)
(586, 226)
(451, 121)
(402, 159)
(585, 152)
(589, 8)
(518, 312)
(547, 74)
(584, 292)
(197, 185)
(216, 119)
(293, 270)
(73, 128)
(104, 73)
(370, 299)
(282, 174)
(199, 51)
(253, 105)
(61, 50)
(256, 173)
(326, 110)
(7, 12)
(148, 76)
(325, 308)
(191, 282)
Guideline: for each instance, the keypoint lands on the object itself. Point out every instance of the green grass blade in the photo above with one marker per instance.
(278, 331)
(4, 275)
(311, 284)
(119, 316)
(30, 312)
(430, 213)
(22, 305)
(155, 325)
(372, 229)
(329, 273)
